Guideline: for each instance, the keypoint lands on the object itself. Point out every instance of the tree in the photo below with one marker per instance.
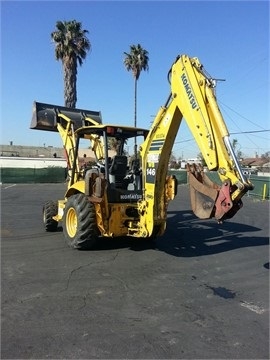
(113, 144)
(234, 144)
(201, 158)
(136, 61)
(71, 47)
(238, 152)
(266, 155)
(117, 145)
(172, 161)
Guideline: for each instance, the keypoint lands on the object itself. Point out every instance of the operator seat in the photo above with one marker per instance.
(118, 170)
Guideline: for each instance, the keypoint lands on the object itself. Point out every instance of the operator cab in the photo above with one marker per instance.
(118, 165)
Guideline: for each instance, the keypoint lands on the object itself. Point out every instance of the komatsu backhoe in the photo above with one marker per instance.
(114, 198)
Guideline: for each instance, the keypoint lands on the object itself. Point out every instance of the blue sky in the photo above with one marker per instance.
(230, 38)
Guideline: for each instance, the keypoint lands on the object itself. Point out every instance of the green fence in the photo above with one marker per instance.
(58, 175)
(261, 187)
(181, 175)
(32, 175)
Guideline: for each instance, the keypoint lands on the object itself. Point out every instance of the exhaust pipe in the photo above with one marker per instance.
(46, 116)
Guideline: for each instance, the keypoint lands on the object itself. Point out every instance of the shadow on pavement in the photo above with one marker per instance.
(187, 236)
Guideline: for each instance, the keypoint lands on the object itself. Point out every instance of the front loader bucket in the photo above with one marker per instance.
(46, 116)
(203, 192)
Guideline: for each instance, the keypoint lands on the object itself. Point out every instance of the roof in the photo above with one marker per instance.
(254, 161)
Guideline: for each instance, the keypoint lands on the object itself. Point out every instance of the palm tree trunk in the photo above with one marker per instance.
(70, 81)
(135, 118)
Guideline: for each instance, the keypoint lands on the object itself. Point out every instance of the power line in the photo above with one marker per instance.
(183, 141)
(248, 132)
(243, 117)
(231, 133)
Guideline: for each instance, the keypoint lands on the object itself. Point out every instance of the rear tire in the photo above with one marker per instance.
(79, 222)
(50, 209)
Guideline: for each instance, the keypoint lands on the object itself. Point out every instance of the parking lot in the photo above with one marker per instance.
(201, 291)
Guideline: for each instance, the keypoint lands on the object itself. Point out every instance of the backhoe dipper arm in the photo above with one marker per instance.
(192, 98)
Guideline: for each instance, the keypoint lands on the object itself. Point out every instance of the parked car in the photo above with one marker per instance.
(250, 171)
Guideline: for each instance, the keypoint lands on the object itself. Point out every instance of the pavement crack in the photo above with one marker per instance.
(71, 274)
(86, 265)
(33, 297)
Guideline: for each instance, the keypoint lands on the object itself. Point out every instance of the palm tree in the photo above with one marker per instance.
(136, 61)
(234, 144)
(71, 46)
(113, 144)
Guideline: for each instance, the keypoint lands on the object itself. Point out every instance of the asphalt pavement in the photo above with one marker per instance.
(201, 291)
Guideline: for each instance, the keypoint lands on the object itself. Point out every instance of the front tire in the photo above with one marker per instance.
(79, 222)
(50, 209)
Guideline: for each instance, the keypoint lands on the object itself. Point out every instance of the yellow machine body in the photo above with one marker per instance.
(136, 205)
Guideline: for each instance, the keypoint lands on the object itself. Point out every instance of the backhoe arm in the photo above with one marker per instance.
(192, 98)
(197, 103)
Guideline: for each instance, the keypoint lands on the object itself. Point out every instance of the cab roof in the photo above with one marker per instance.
(117, 131)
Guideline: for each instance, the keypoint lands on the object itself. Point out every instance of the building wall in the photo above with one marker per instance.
(30, 151)
(33, 163)
(43, 152)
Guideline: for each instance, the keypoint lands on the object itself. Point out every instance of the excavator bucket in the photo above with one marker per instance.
(203, 192)
(46, 116)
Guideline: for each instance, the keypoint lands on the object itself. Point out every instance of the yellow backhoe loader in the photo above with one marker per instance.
(115, 198)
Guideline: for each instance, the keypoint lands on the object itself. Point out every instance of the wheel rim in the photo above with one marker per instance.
(71, 222)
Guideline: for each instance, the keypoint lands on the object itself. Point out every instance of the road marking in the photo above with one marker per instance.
(251, 307)
(7, 187)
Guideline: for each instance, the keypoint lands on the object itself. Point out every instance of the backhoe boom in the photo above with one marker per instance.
(192, 98)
